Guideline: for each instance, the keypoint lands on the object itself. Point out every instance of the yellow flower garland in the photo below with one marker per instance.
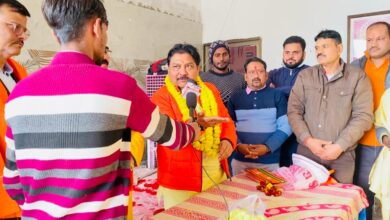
(210, 139)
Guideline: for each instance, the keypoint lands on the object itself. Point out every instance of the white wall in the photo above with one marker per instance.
(275, 20)
(138, 31)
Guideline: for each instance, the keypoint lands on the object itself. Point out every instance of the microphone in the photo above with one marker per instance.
(191, 101)
(192, 81)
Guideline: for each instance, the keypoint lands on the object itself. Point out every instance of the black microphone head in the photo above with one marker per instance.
(191, 100)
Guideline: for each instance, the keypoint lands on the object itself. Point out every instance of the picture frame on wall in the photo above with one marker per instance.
(357, 25)
(240, 51)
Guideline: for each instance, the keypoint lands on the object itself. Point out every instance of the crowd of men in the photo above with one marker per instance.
(62, 128)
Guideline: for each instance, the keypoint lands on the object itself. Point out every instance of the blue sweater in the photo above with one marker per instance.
(261, 118)
(284, 78)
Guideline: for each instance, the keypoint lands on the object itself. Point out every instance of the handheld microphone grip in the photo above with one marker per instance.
(191, 101)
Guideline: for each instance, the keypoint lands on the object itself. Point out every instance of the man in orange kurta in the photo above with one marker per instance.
(13, 32)
(185, 172)
(8, 208)
(376, 64)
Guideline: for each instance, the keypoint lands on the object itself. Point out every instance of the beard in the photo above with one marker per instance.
(295, 65)
(101, 61)
(222, 68)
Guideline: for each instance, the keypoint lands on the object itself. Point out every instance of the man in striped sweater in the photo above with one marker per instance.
(260, 113)
(65, 155)
(13, 32)
(225, 79)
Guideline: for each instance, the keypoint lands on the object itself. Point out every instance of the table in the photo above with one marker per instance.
(144, 194)
(339, 201)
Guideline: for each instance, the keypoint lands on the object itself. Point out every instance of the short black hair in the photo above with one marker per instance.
(184, 48)
(16, 7)
(387, 25)
(295, 39)
(254, 59)
(68, 17)
(332, 34)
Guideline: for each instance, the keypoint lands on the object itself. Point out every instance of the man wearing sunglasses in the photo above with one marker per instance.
(13, 33)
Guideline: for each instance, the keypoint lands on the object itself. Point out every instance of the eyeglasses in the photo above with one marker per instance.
(18, 29)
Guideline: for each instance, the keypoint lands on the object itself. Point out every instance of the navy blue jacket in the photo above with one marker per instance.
(284, 78)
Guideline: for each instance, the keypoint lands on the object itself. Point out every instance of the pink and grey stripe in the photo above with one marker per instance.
(66, 157)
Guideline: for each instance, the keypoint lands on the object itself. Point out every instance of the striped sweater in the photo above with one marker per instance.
(260, 118)
(65, 154)
(227, 83)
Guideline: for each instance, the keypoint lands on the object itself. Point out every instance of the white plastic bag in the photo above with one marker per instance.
(248, 208)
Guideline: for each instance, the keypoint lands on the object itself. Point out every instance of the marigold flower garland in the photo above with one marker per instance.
(210, 139)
